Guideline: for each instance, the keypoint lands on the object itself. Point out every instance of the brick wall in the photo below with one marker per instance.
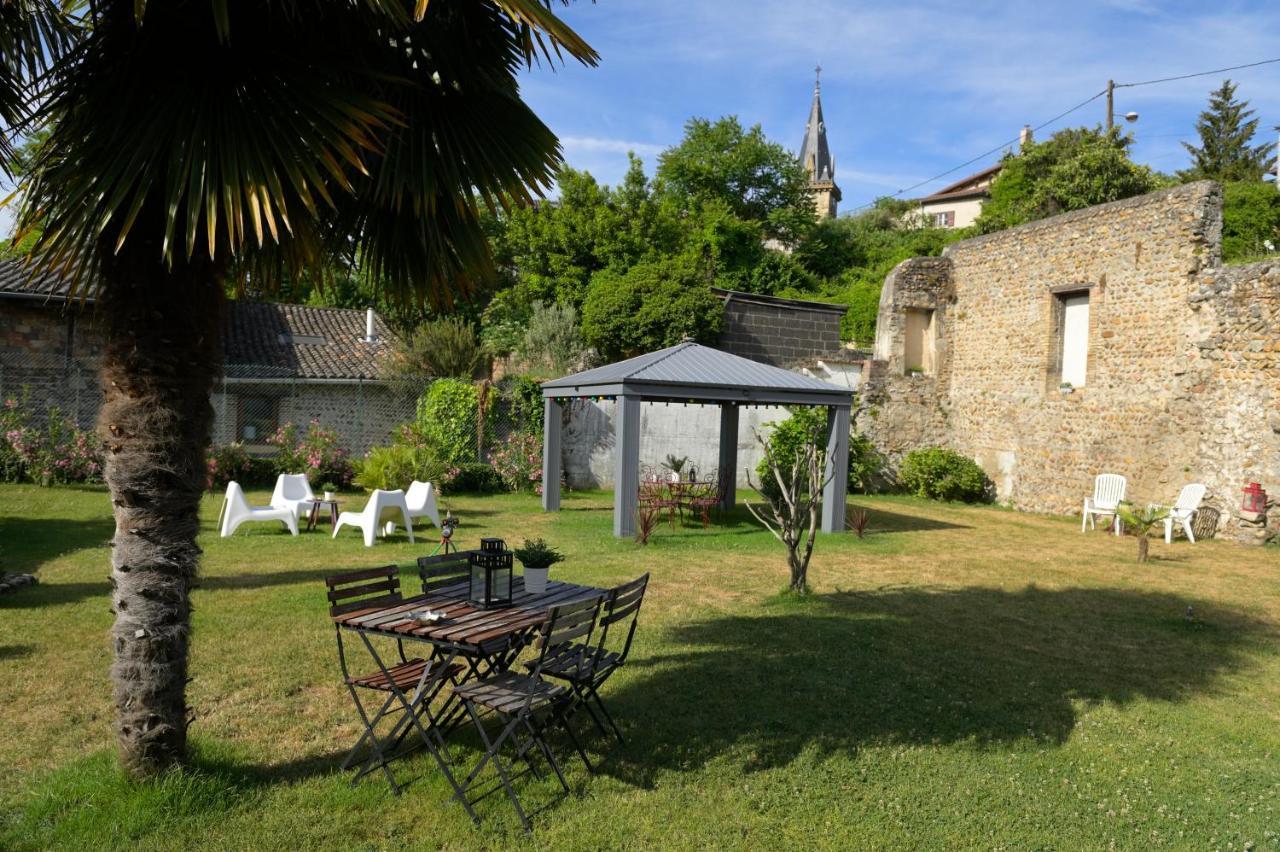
(1181, 364)
(781, 332)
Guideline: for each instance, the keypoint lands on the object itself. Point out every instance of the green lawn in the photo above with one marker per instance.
(963, 677)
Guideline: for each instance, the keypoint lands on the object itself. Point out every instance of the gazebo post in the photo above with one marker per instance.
(551, 461)
(833, 494)
(626, 479)
(728, 455)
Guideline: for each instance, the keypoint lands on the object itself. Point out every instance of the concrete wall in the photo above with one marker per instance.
(1183, 372)
(680, 430)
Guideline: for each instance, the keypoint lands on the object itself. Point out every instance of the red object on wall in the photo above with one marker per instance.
(1255, 499)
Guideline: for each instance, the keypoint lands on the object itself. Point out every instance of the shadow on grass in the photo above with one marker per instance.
(30, 542)
(13, 652)
(881, 521)
(912, 666)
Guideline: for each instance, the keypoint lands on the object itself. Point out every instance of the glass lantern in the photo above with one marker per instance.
(1255, 499)
(491, 574)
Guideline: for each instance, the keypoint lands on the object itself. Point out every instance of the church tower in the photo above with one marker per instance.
(817, 160)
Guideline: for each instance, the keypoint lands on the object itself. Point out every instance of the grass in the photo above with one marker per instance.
(963, 677)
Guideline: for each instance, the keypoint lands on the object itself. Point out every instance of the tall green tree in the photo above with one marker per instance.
(1073, 169)
(1226, 131)
(196, 140)
(760, 181)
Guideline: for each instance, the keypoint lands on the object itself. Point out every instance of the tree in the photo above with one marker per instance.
(759, 180)
(553, 343)
(1073, 169)
(652, 305)
(1250, 219)
(793, 502)
(194, 141)
(1224, 152)
(1139, 523)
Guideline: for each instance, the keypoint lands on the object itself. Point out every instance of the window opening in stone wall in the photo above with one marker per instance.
(918, 346)
(1074, 337)
(257, 419)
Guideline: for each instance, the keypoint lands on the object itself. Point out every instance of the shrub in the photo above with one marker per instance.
(226, 463)
(59, 453)
(410, 456)
(942, 474)
(518, 463)
(866, 464)
(317, 454)
(446, 348)
(787, 440)
(473, 478)
(524, 398)
(553, 342)
(1250, 219)
(447, 418)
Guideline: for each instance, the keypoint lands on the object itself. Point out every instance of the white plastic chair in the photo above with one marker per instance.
(369, 519)
(293, 492)
(1108, 491)
(236, 510)
(1183, 511)
(421, 500)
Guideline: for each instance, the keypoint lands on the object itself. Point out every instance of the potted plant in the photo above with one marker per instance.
(915, 372)
(328, 488)
(537, 557)
(1066, 387)
(675, 464)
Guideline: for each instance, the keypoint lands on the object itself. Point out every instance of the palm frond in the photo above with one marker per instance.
(33, 35)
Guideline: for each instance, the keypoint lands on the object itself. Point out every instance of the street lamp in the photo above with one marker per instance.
(1130, 117)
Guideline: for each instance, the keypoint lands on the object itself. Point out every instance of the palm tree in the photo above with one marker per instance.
(200, 142)
(1140, 522)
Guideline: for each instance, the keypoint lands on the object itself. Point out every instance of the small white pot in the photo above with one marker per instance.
(535, 580)
(328, 496)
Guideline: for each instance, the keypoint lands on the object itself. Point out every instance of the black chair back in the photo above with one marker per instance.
(447, 569)
(622, 607)
(371, 587)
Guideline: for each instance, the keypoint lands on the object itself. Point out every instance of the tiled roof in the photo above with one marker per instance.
(261, 340)
(266, 340)
(977, 183)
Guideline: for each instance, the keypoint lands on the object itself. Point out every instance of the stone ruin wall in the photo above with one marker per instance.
(1183, 366)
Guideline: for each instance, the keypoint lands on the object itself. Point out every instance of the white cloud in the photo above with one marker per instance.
(595, 144)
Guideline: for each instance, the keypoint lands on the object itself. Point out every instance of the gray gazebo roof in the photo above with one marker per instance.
(692, 372)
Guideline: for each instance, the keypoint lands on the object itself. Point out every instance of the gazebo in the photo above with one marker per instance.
(691, 373)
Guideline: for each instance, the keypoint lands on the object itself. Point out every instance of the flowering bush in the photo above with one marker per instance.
(317, 454)
(225, 463)
(60, 453)
(410, 456)
(518, 463)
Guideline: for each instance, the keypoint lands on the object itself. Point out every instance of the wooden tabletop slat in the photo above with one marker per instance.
(463, 623)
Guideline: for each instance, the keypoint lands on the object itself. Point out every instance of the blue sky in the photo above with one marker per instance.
(909, 89)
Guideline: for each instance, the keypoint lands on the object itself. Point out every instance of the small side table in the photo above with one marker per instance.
(314, 515)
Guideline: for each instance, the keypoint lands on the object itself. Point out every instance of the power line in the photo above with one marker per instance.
(1197, 74)
(1062, 115)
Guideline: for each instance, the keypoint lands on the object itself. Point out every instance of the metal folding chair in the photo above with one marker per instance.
(408, 686)
(528, 704)
(585, 667)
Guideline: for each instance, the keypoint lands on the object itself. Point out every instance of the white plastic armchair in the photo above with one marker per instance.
(293, 492)
(369, 519)
(236, 510)
(421, 500)
(1108, 492)
(1183, 511)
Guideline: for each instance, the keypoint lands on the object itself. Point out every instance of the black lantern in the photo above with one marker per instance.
(491, 566)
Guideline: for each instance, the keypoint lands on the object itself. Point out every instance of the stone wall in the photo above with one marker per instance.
(781, 332)
(1182, 375)
(50, 357)
(364, 414)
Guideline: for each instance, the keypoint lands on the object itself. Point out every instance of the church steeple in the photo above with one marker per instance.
(816, 156)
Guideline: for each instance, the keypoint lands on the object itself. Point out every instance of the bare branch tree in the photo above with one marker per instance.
(792, 508)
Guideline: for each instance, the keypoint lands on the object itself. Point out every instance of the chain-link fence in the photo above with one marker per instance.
(251, 402)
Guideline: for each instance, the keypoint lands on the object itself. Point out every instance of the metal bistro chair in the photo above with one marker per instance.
(371, 589)
(585, 668)
(709, 495)
(528, 702)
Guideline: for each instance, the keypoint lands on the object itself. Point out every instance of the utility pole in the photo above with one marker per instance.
(1111, 104)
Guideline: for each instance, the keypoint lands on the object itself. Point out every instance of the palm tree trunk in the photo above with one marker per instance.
(163, 329)
(1143, 547)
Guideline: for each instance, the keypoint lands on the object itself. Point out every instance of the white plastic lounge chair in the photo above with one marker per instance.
(236, 510)
(421, 499)
(293, 492)
(1108, 491)
(1183, 511)
(369, 519)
